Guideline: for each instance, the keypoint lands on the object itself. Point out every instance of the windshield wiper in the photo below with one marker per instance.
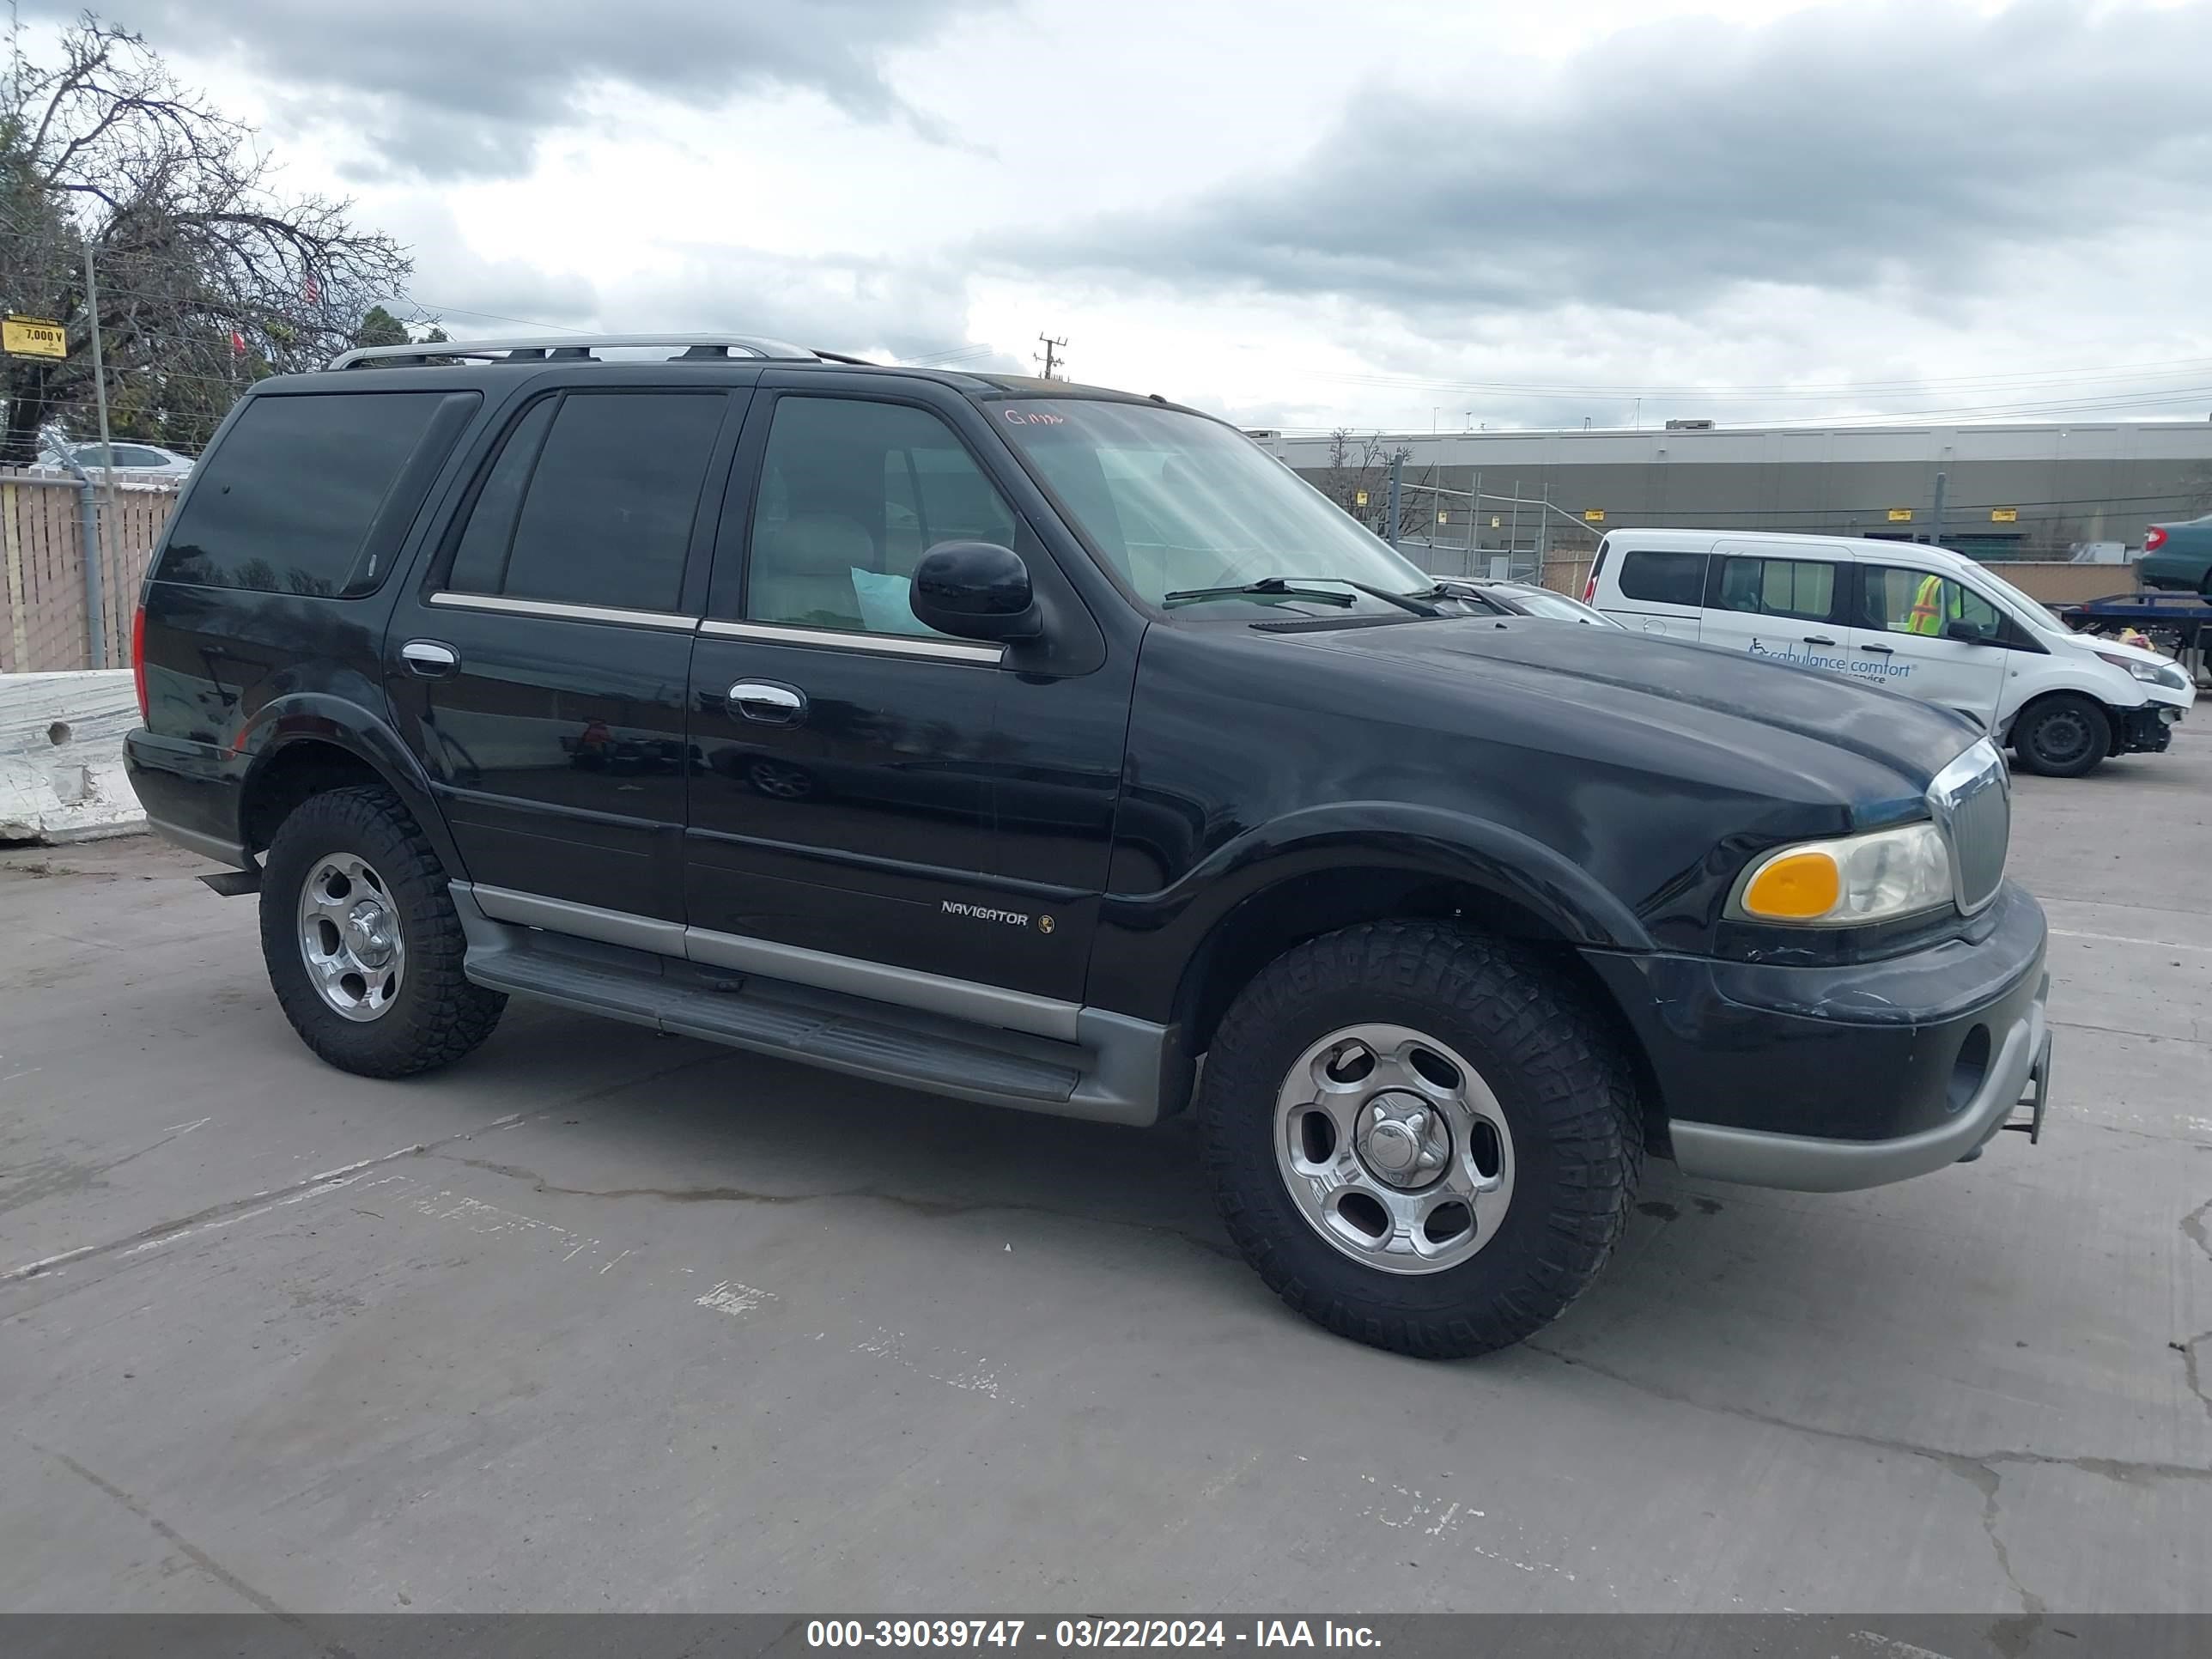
(1416, 603)
(1272, 586)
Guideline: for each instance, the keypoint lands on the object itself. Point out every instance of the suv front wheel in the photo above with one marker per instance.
(1420, 1136)
(363, 942)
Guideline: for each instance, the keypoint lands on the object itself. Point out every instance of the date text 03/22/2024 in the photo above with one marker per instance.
(1086, 1634)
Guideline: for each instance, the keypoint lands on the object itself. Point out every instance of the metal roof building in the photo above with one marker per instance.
(2024, 491)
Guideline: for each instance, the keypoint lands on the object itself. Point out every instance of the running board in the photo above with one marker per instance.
(1115, 1074)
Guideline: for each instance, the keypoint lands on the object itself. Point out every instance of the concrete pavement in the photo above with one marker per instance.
(603, 1319)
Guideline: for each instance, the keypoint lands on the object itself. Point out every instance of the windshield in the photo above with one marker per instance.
(2028, 611)
(1180, 503)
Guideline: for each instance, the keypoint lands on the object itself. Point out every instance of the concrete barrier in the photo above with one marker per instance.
(61, 755)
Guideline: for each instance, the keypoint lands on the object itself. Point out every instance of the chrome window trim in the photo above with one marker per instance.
(897, 645)
(1975, 768)
(558, 610)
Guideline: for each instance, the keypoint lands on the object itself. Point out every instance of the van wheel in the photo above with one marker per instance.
(2062, 736)
(363, 942)
(1420, 1136)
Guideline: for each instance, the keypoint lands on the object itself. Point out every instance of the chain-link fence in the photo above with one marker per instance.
(44, 602)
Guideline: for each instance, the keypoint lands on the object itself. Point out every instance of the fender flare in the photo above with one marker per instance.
(285, 722)
(1433, 842)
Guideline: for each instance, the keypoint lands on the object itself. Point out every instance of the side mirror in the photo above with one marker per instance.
(975, 591)
(1959, 629)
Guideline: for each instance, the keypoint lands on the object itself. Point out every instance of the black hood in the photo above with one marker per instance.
(1736, 700)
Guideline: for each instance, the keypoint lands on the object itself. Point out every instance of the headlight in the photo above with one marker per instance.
(2151, 673)
(1876, 877)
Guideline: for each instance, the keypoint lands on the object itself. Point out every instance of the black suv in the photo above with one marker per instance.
(1027, 743)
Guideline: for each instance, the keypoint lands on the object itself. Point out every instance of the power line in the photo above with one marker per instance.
(424, 307)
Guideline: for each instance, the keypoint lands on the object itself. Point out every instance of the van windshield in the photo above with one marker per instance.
(2028, 611)
(1184, 505)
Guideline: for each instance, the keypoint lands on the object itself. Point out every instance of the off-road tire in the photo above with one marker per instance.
(1565, 1090)
(437, 1015)
(2036, 736)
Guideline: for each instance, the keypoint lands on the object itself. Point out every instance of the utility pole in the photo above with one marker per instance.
(1052, 347)
(99, 373)
(95, 619)
(1397, 469)
(1935, 520)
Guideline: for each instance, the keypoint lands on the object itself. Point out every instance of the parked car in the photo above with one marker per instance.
(1026, 742)
(1529, 599)
(2179, 555)
(139, 463)
(1922, 621)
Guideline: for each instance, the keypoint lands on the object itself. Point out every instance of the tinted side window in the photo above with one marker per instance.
(287, 501)
(1896, 600)
(851, 495)
(591, 502)
(480, 562)
(1802, 588)
(1663, 578)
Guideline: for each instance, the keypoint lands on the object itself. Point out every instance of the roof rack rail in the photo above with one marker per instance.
(572, 347)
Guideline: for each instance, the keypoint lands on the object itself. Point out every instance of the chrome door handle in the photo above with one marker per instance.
(430, 658)
(1817, 639)
(1881, 650)
(767, 702)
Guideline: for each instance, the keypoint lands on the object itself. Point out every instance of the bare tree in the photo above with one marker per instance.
(208, 279)
(1359, 465)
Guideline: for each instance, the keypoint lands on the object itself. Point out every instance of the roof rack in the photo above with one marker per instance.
(579, 348)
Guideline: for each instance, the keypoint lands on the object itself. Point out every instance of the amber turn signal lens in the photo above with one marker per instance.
(1797, 887)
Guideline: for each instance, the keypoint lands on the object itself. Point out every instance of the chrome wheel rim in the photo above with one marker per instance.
(351, 937)
(1394, 1149)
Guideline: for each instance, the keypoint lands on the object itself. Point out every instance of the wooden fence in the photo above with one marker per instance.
(42, 610)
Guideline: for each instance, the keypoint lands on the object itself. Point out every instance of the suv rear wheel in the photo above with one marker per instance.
(1420, 1136)
(2062, 736)
(363, 942)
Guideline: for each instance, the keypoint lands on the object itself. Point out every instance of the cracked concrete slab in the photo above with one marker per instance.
(599, 1319)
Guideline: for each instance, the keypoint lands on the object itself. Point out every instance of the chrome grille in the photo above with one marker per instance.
(1972, 800)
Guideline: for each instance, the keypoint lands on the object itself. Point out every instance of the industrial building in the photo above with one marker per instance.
(1997, 492)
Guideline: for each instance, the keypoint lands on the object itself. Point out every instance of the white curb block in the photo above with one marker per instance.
(61, 755)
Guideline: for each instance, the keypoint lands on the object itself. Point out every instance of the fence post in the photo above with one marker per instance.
(1397, 469)
(88, 536)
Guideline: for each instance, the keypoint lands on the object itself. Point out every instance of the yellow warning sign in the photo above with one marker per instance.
(33, 336)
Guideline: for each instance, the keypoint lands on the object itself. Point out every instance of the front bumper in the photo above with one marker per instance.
(2147, 730)
(1826, 1080)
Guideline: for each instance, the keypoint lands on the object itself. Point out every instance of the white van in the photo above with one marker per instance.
(1920, 620)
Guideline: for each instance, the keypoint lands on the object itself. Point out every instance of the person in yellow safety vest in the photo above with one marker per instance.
(1926, 616)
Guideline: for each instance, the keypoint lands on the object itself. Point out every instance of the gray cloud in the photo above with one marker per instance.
(1905, 149)
(460, 88)
(907, 309)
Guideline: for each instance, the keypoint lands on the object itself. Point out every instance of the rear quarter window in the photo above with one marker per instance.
(312, 495)
(1663, 578)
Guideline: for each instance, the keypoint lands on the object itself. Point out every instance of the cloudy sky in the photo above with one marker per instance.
(1308, 213)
